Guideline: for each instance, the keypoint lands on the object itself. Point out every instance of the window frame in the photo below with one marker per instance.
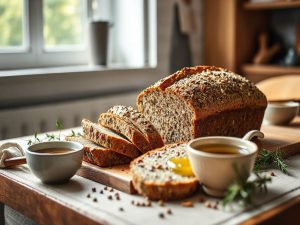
(34, 55)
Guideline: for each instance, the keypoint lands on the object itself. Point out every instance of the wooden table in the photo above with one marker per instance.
(69, 204)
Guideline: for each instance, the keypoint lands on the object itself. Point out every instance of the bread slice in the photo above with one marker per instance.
(133, 125)
(152, 177)
(108, 139)
(99, 155)
(202, 101)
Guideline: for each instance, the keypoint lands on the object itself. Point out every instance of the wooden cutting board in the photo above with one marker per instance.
(284, 138)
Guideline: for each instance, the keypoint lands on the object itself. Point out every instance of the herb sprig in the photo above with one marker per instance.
(51, 136)
(270, 159)
(243, 190)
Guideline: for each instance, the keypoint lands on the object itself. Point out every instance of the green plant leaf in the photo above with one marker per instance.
(58, 125)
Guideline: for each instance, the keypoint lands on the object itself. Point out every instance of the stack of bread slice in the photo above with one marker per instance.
(121, 134)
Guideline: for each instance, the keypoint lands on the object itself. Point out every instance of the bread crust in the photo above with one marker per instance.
(184, 72)
(120, 126)
(133, 125)
(234, 122)
(99, 155)
(116, 143)
(157, 190)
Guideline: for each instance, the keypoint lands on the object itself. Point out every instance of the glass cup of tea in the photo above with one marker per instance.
(216, 161)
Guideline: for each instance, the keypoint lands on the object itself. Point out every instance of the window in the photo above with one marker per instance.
(44, 33)
(63, 24)
(13, 35)
(39, 33)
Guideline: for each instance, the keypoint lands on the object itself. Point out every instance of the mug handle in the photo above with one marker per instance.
(253, 133)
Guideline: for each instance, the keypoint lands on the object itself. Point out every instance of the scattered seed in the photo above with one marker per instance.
(201, 199)
(208, 204)
(138, 204)
(117, 194)
(95, 200)
(93, 189)
(161, 215)
(88, 196)
(272, 174)
(143, 204)
(109, 197)
(111, 190)
(117, 197)
(161, 203)
(169, 211)
(132, 202)
(215, 206)
(187, 204)
(149, 204)
(101, 192)
(121, 209)
(105, 188)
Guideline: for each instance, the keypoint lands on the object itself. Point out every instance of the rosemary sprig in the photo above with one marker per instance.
(270, 159)
(243, 190)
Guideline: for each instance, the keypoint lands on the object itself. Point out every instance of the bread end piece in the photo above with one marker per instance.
(98, 155)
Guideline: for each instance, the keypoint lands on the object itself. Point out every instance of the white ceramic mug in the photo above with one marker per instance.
(217, 171)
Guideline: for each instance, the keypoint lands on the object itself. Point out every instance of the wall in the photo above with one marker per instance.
(38, 87)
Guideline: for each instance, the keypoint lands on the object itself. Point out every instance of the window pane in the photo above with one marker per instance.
(63, 23)
(11, 24)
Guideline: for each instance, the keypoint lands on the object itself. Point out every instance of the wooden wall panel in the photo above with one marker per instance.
(219, 27)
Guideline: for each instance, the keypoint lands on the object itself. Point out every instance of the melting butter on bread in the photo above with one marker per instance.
(152, 177)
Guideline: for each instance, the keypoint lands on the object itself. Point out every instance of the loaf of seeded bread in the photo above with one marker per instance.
(202, 101)
(133, 125)
(99, 155)
(109, 139)
(152, 177)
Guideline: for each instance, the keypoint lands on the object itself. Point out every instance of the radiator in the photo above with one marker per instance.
(25, 121)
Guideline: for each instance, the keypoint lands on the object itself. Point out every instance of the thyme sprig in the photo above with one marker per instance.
(270, 159)
(243, 190)
(50, 136)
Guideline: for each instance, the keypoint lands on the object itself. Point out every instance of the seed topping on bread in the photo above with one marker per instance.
(153, 178)
(157, 167)
(207, 87)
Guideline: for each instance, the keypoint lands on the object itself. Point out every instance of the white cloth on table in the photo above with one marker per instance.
(10, 150)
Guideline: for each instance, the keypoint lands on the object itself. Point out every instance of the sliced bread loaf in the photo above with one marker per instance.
(109, 139)
(152, 177)
(202, 101)
(99, 155)
(133, 125)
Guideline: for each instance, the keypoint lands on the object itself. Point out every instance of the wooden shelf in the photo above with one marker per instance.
(279, 4)
(257, 73)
